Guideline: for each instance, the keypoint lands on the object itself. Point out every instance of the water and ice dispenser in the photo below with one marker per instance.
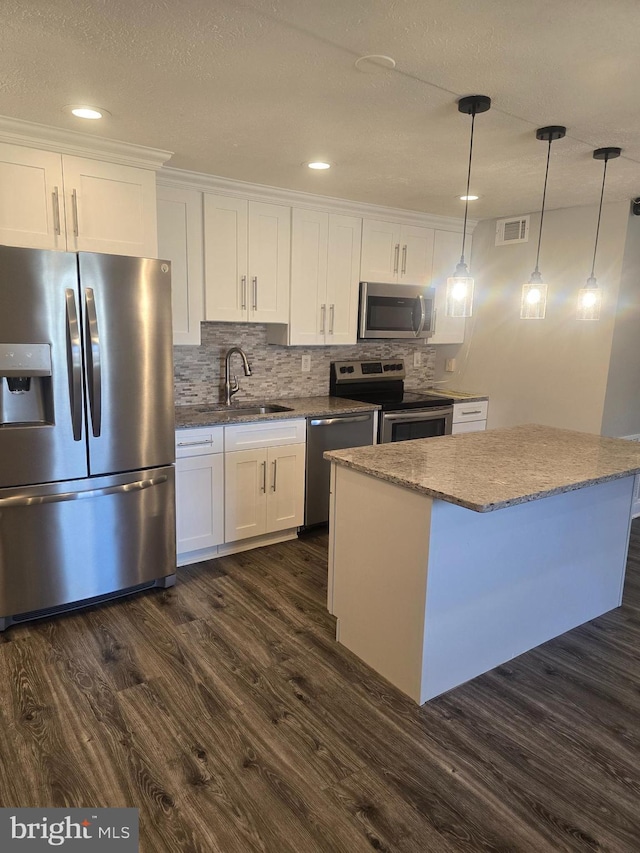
(25, 392)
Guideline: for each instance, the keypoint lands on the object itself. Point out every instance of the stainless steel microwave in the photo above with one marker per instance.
(395, 311)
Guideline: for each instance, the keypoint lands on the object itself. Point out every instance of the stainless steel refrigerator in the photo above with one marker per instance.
(87, 483)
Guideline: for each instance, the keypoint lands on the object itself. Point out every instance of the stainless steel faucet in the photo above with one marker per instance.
(231, 386)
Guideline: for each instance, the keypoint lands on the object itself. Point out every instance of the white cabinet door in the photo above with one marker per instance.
(468, 426)
(180, 241)
(309, 254)
(343, 276)
(245, 494)
(285, 469)
(446, 256)
(225, 254)
(110, 208)
(31, 198)
(380, 258)
(199, 502)
(269, 262)
(416, 255)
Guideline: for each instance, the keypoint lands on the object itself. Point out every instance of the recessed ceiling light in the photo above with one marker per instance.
(375, 62)
(319, 165)
(469, 197)
(84, 111)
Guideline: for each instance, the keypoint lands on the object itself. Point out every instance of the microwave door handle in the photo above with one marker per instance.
(423, 315)
(93, 363)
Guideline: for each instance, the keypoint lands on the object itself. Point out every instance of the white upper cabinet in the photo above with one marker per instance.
(446, 256)
(58, 201)
(325, 259)
(180, 241)
(396, 253)
(247, 248)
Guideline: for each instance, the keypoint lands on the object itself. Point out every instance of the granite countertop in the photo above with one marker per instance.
(213, 414)
(490, 470)
(458, 396)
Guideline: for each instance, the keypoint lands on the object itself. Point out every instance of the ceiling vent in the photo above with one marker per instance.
(512, 231)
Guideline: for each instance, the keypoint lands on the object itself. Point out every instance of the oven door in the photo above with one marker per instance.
(416, 423)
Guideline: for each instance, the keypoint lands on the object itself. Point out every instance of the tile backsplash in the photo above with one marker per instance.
(276, 370)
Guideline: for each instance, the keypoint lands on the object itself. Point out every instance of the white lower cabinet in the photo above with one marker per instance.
(470, 417)
(264, 491)
(199, 493)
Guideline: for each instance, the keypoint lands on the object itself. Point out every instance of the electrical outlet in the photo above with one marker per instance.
(417, 359)
(306, 363)
(450, 365)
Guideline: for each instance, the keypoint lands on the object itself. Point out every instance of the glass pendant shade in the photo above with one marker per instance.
(589, 301)
(590, 297)
(533, 305)
(459, 295)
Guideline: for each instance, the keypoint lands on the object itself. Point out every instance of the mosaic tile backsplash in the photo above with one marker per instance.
(276, 370)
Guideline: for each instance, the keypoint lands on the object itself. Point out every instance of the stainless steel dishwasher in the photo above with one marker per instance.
(331, 433)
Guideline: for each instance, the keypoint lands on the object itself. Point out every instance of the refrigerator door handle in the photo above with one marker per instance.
(74, 361)
(31, 500)
(93, 362)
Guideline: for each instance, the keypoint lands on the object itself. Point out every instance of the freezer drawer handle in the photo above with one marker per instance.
(93, 363)
(328, 421)
(74, 361)
(32, 500)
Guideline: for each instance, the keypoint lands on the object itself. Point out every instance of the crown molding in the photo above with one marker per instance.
(33, 135)
(180, 178)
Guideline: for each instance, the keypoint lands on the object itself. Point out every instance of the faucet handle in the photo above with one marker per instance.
(235, 385)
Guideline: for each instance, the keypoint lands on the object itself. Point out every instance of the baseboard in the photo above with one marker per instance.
(203, 554)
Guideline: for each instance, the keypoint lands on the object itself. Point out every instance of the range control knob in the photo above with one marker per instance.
(343, 369)
(387, 367)
(398, 366)
(350, 369)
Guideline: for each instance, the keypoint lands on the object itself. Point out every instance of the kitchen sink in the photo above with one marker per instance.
(263, 409)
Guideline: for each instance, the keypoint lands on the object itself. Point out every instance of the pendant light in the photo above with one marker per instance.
(590, 297)
(459, 295)
(533, 305)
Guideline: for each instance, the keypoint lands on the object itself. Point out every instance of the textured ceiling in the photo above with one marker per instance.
(252, 90)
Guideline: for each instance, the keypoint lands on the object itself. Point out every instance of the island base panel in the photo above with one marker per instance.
(431, 594)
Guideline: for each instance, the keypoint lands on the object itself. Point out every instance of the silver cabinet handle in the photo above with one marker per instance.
(275, 474)
(264, 477)
(323, 311)
(94, 367)
(423, 315)
(329, 421)
(255, 292)
(56, 211)
(243, 282)
(332, 312)
(32, 500)
(404, 259)
(74, 361)
(194, 443)
(472, 412)
(74, 207)
(396, 258)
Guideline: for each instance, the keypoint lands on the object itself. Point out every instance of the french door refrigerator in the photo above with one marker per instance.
(86, 429)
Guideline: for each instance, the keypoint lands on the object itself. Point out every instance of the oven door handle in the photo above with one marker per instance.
(423, 315)
(418, 414)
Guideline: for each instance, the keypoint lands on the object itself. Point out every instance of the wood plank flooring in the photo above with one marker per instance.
(224, 710)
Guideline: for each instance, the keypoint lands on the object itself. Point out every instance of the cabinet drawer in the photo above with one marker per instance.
(272, 434)
(476, 411)
(468, 426)
(197, 442)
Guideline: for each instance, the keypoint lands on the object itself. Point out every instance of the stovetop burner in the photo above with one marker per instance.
(381, 382)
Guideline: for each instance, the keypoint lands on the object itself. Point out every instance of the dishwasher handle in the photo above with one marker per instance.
(355, 419)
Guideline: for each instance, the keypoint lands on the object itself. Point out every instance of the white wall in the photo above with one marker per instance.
(622, 400)
(551, 371)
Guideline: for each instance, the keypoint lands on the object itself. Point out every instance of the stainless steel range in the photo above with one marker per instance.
(405, 414)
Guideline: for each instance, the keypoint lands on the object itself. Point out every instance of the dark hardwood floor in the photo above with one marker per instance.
(224, 710)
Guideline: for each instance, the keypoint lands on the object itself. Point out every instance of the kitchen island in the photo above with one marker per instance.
(450, 556)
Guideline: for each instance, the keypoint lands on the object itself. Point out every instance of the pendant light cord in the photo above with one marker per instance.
(595, 248)
(544, 196)
(466, 203)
